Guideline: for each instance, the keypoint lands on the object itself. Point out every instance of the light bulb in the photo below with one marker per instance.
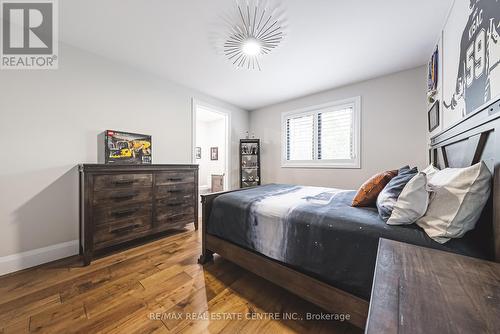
(251, 47)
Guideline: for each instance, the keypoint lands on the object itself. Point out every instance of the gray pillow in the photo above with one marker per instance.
(404, 169)
(389, 195)
(412, 202)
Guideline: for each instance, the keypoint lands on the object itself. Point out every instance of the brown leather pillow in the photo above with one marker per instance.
(368, 192)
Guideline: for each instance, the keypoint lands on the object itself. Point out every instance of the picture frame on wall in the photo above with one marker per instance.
(433, 117)
(214, 153)
(432, 73)
(197, 153)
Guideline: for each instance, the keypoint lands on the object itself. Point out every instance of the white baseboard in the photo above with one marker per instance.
(35, 257)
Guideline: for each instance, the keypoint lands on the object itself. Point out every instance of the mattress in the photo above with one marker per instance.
(316, 231)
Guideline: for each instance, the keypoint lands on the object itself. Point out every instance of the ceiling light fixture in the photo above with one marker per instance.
(257, 29)
(251, 47)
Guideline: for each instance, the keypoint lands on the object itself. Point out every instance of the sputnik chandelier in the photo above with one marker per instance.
(255, 30)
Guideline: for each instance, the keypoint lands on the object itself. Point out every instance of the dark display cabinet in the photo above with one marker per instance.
(249, 163)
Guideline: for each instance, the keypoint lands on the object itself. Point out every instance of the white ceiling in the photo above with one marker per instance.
(330, 43)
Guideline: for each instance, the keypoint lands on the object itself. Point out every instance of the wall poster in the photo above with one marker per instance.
(471, 57)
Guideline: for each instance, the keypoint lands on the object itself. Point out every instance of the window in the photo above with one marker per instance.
(325, 136)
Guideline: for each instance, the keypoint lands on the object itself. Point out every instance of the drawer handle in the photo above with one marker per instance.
(175, 191)
(124, 213)
(124, 197)
(123, 182)
(125, 229)
(175, 179)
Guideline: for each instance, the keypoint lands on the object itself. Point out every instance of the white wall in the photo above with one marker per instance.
(211, 134)
(393, 130)
(50, 121)
(201, 139)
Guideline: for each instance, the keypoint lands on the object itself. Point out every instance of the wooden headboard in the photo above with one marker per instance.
(467, 142)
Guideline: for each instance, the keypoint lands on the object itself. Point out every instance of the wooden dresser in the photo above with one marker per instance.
(122, 203)
(422, 290)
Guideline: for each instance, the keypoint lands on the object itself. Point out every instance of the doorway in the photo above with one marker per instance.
(211, 147)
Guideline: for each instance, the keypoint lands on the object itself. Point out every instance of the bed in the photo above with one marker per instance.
(310, 241)
(316, 231)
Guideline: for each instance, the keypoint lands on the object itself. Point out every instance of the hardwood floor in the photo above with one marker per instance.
(153, 288)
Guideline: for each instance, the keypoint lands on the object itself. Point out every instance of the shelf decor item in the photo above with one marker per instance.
(249, 163)
(127, 148)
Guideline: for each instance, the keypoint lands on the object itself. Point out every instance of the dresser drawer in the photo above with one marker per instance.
(185, 197)
(121, 230)
(122, 197)
(175, 221)
(119, 181)
(175, 191)
(174, 212)
(169, 178)
(106, 214)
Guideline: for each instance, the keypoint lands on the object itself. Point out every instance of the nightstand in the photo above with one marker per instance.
(422, 290)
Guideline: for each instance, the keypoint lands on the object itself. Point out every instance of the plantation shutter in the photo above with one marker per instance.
(335, 134)
(300, 138)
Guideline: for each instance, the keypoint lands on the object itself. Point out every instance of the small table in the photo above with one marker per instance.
(421, 290)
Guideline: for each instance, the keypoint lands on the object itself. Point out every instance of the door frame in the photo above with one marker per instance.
(195, 103)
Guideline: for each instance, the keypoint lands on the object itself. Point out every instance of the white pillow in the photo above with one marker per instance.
(430, 171)
(456, 202)
(412, 202)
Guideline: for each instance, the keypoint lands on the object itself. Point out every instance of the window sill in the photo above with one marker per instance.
(355, 165)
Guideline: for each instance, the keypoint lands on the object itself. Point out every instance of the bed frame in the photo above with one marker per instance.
(465, 143)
